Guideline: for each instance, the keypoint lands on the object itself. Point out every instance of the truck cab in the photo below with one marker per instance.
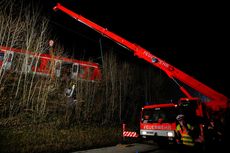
(158, 122)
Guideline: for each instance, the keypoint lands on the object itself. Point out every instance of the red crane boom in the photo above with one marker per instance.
(216, 100)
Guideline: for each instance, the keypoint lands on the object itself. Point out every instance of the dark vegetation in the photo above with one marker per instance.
(33, 112)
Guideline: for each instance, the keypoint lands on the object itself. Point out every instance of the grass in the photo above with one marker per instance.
(20, 137)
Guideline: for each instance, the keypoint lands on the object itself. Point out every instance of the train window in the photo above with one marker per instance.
(96, 74)
(36, 62)
(18, 62)
(48, 65)
(66, 69)
(90, 72)
(75, 68)
(15, 62)
(1, 59)
(58, 65)
(81, 71)
(74, 74)
(29, 64)
(58, 68)
(10, 57)
(8, 61)
(1, 56)
(30, 60)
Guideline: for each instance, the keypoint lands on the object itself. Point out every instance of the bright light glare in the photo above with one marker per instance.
(170, 134)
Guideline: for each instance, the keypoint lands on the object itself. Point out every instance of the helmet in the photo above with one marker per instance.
(180, 117)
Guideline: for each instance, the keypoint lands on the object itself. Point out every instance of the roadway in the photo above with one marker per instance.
(148, 148)
(131, 148)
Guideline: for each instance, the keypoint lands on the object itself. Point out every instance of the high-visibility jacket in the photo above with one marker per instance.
(185, 137)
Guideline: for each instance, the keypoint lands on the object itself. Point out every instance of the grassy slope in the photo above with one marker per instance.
(17, 136)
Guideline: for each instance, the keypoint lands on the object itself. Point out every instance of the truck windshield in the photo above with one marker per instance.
(159, 115)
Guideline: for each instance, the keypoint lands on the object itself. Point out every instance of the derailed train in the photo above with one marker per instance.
(17, 60)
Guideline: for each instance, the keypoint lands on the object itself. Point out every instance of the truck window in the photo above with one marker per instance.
(153, 115)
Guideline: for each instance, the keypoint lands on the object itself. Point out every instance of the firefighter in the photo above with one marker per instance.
(71, 95)
(214, 135)
(184, 134)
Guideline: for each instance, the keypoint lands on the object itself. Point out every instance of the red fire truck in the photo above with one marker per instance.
(159, 120)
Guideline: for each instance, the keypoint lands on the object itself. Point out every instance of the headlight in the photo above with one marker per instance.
(170, 134)
(144, 132)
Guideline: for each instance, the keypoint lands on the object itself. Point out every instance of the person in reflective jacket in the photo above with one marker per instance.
(71, 95)
(184, 130)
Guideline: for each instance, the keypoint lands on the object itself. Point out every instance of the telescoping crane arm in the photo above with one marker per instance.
(217, 100)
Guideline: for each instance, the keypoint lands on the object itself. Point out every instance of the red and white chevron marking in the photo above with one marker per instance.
(129, 134)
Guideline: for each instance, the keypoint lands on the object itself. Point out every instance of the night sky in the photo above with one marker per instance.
(191, 36)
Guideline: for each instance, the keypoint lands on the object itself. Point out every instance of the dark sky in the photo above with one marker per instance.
(191, 36)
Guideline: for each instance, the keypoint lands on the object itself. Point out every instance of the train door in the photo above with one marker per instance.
(58, 68)
(66, 70)
(8, 58)
(28, 63)
(1, 58)
(75, 70)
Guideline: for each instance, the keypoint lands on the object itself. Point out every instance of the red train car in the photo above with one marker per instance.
(18, 60)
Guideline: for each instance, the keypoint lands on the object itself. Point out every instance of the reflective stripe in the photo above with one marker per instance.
(185, 137)
(129, 134)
